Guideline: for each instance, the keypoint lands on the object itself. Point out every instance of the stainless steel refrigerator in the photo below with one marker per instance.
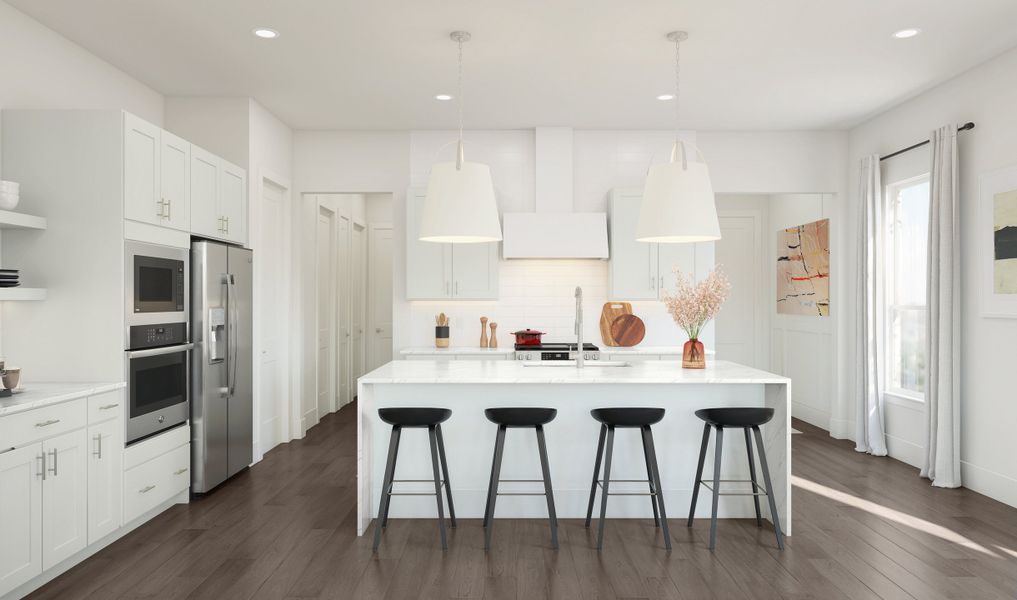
(222, 403)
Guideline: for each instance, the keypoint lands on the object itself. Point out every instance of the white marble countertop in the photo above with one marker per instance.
(430, 350)
(427, 371)
(36, 395)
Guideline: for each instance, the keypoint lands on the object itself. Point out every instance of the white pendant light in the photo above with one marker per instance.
(678, 204)
(460, 207)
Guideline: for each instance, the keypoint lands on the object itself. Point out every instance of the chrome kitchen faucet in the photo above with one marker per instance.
(579, 328)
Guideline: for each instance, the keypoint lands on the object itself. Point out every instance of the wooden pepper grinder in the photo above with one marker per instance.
(494, 340)
(483, 332)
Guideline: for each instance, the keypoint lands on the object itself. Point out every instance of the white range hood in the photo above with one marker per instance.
(554, 230)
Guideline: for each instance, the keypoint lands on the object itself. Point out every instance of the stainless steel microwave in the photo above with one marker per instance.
(157, 284)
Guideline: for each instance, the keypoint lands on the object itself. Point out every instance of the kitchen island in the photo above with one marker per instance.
(468, 387)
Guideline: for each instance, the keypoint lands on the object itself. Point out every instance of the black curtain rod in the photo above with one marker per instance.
(964, 127)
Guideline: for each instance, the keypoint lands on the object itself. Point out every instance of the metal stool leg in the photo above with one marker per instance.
(699, 472)
(552, 516)
(752, 474)
(716, 486)
(433, 438)
(386, 486)
(651, 451)
(491, 484)
(651, 480)
(769, 489)
(604, 491)
(596, 473)
(499, 447)
(444, 472)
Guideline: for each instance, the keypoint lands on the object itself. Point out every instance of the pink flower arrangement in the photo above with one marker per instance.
(693, 305)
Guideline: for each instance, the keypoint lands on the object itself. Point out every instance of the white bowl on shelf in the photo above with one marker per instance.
(9, 200)
(10, 186)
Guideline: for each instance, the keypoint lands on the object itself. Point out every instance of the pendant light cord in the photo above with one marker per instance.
(459, 85)
(677, 86)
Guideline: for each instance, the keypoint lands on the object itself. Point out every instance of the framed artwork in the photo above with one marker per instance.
(803, 269)
(997, 243)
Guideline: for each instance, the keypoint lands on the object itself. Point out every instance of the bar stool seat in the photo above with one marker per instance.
(746, 419)
(414, 417)
(628, 417)
(521, 417)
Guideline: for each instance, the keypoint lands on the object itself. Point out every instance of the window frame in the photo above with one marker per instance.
(892, 207)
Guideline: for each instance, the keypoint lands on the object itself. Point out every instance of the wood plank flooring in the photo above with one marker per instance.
(865, 528)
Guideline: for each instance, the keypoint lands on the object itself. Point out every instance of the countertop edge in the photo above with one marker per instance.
(38, 396)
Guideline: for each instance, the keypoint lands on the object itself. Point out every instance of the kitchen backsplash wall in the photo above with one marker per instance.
(540, 294)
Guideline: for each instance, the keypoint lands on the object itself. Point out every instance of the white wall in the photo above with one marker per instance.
(220, 125)
(986, 95)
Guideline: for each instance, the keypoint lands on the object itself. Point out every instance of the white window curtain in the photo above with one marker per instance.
(942, 346)
(870, 436)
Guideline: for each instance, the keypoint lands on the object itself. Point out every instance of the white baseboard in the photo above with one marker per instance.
(842, 429)
(813, 416)
(994, 485)
(905, 451)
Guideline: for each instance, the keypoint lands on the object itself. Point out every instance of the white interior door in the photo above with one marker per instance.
(379, 296)
(272, 289)
(358, 257)
(740, 335)
(326, 266)
(344, 297)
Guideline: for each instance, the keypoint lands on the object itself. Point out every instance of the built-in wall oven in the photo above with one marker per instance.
(157, 340)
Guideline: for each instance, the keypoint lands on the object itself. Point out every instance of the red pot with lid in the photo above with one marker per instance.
(528, 337)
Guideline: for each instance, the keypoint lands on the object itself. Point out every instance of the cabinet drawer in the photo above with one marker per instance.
(33, 425)
(104, 407)
(150, 484)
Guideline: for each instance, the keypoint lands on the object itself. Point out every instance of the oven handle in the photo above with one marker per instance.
(131, 354)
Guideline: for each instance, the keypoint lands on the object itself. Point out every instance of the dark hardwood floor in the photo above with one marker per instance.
(864, 528)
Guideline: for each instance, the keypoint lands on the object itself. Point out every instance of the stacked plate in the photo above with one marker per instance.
(10, 194)
(9, 278)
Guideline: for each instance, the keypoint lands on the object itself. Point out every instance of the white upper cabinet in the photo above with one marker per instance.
(64, 497)
(446, 271)
(20, 516)
(641, 270)
(205, 216)
(175, 177)
(142, 189)
(232, 200)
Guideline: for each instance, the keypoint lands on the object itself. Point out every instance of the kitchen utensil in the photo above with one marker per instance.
(494, 338)
(610, 312)
(442, 320)
(483, 332)
(627, 330)
(527, 337)
(11, 377)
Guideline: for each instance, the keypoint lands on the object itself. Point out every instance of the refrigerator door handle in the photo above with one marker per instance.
(234, 338)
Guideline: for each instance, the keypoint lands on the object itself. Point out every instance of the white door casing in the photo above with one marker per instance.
(326, 309)
(358, 255)
(344, 307)
(379, 297)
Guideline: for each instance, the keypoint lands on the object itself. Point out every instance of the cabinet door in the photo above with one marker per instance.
(428, 265)
(633, 265)
(20, 516)
(142, 191)
(475, 271)
(64, 497)
(206, 219)
(175, 178)
(105, 479)
(232, 200)
(671, 257)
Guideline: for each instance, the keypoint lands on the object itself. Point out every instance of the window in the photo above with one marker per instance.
(908, 238)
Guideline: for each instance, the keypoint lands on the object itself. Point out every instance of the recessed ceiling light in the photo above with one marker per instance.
(904, 34)
(665, 97)
(443, 97)
(266, 33)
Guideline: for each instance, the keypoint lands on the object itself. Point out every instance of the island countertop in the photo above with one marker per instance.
(669, 372)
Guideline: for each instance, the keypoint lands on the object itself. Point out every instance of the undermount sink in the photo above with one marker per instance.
(572, 363)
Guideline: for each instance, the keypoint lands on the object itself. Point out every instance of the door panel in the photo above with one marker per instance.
(345, 335)
(20, 516)
(326, 260)
(240, 263)
(272, 318)
(105, 479)
(142, 199)
(175, 178)
(64, 497)
(357, 317)
(633, 265)
(739, 325)
(204, 211)
(379, 276)
(209, 361)
(428, 265)
(475, 271)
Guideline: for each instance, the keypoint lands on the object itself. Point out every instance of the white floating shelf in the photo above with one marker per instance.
(22, 293)
(15, 220)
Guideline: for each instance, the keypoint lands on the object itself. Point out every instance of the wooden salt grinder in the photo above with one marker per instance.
(483, 332)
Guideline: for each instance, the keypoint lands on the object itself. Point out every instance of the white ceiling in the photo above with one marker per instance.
(377, 64)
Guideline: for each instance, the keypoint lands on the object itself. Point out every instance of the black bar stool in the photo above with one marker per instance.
(744, 419)
(519, 417)
(610, 419)
(400, 418)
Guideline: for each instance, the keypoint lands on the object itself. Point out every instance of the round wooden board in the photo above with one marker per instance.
(628, 330)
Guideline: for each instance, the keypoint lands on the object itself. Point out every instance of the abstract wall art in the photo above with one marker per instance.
(996, 242)
(803, 269)
(1004, 242)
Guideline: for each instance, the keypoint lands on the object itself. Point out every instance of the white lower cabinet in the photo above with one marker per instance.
(105, 479)
(64, 497)
(20, 516)
(156, 481)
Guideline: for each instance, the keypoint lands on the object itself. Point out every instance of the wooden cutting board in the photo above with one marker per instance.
(627, 330)
(610, 312)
